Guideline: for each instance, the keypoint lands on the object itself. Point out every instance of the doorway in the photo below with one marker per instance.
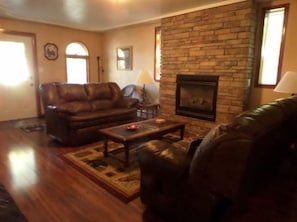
(18, 91)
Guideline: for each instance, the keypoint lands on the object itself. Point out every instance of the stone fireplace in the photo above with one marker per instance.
(196, 96)
(218, 41)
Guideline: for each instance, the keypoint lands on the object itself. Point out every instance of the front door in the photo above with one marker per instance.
(17, 77)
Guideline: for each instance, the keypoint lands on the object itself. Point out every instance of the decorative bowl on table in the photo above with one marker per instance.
(132, 127)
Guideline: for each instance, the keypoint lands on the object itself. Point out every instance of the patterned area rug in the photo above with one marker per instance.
(109, 172)
(8, 209)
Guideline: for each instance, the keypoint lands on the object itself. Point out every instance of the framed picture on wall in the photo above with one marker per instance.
(124, 58)
(50, 51)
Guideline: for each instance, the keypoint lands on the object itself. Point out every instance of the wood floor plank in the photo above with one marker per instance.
(47, 189)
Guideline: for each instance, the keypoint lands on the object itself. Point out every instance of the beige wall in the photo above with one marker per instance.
(49, 70)
(141, 38)
(263, 95)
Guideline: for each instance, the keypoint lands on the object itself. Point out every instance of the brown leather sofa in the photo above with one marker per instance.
(75, 112)
(229, 175)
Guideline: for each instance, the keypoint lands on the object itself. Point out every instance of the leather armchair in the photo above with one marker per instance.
(207, 179)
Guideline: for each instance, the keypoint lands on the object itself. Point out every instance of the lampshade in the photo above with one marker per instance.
(144, 78)
(288, 84)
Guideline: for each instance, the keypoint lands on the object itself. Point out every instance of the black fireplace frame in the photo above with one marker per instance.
(193, 81)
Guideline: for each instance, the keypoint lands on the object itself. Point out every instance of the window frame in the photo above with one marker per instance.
(157, 66)
(262, 11)
(76, 56)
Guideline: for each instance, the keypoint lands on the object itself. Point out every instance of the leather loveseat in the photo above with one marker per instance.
(232, 165)
(75, 112)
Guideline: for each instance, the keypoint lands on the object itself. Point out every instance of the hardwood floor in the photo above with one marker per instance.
(47, 189)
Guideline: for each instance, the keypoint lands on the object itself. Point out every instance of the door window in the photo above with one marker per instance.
(10, 52)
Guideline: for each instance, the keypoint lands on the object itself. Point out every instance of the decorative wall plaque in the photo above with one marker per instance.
(50, 51)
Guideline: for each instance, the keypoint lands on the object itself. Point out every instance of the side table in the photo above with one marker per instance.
(147, 110)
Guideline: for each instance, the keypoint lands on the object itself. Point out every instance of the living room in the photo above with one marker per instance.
(141, 38)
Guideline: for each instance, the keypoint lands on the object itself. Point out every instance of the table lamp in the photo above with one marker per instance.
(288, 84)
(143, 78)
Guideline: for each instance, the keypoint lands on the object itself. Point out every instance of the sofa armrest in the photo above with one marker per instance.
(162, 159)
(55, 109)
(56, 121)
(166, 159)
(164, 183)
(162, 173)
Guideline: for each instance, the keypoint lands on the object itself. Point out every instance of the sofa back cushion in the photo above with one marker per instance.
(239, 156)
(73, 98)
(219, 163)
(97, 91)
(116, 92)
(279, 116)
(72, 92)
(100, 96)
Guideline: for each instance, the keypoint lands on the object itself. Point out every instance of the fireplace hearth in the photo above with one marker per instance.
(196, 96)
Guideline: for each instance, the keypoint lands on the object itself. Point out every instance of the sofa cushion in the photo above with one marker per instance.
(102, 104)
(100, 118)
(93, 115)
(72, 92)
(74, 107)
(97, 91)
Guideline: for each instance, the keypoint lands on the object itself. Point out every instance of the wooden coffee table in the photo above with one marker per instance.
(146, 130)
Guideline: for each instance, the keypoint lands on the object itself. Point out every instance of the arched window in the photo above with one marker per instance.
(77, 60)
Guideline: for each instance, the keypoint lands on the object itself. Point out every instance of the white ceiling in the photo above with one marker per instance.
(100, 15)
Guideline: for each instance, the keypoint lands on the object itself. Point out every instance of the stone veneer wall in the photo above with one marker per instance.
(215, 41)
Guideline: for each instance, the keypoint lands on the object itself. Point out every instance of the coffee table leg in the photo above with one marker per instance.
(105, 147)
(126, 149)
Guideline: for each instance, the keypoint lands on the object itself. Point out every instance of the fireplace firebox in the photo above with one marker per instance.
(196, 96)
